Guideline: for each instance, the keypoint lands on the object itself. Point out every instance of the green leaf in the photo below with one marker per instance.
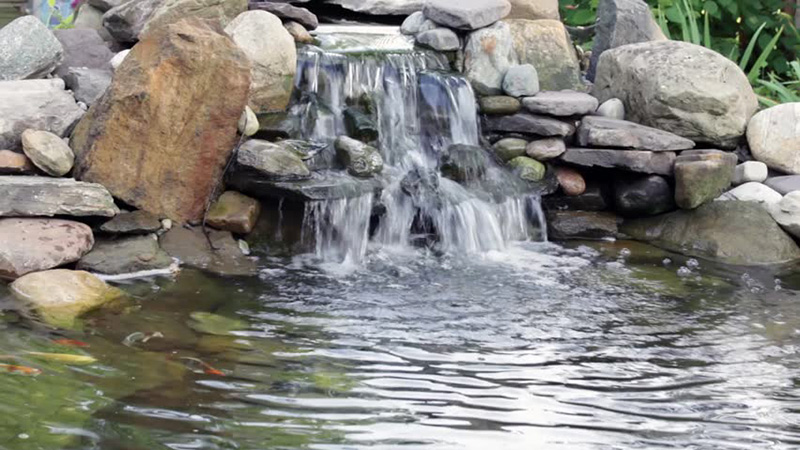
(762, 59)
(748, 52)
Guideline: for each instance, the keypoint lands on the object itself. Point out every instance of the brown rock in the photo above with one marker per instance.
(32, 245)
(160, 136)
(234, 212)
(299, 33)
(571, 181)
(192, 248)
(13, 163)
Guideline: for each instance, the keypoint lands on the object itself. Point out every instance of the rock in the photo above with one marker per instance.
(192, 248)
(126, 255)
(509, 148)
(82, 48)
(118, 58)
(750, 171)
(740, 233)
(787, 213)
(88, 84)
(488, 54)
(546, 45)
(136, 222)
(566, 225)
(643, 196)
(413, 23)
(596, 131)
(220, 12)
(320, 186)
(499, 105)
(561, 103)
(678, 87)
(774, 137)
(248, 122)
(28, 49)
(521, 81)
(47, 197)
(13, 163)
(299, 33)
(37, 104)
(659, 163)
(270, 161)
(32, 245)
(702, 176)
(360, 125)
(594, 198)
(528, 124)
(234, 212)
(464, 162)
(785, 184)
(105, 5)
(571, 181)
(546, 149)
(48, 152)
(91, 18)
(440, 39)
(622, 22)
(361, 159)
(272, 52)
(466, 14)
(612, 108)
(288, 12)
(121, 144)
(59, 297)
(528, 169)
(126, 21)
(534, 9)
(752, 192)
(381, 7)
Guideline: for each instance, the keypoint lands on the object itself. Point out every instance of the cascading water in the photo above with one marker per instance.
(420, 111)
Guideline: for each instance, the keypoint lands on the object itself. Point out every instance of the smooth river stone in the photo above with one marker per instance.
(466, 14)
(784, 184)
(659, 163)
(561, 103)
(499, 105)
(596, 131)
(32, 245)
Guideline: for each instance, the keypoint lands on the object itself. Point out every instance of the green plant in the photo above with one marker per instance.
(773, 91)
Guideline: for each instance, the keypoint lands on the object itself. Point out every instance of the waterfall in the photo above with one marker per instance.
(420, 111)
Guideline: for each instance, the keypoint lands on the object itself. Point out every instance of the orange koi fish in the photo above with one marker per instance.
(20, 369)
(70, 343)
(207, 368)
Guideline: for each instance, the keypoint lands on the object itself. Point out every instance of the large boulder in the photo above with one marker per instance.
(597, 131)
(271, 50)
(740, 233)
(546, 45)
(59, 297)
(774, 137)
(160, 137)
(702, 176)
(622, 22)
(466, 14)
(28, 49)
(48, 152)
(534, 9)
(170, 11)
(125, 21)
(124, 256)
(37, 104)
(26, 196)
(488, 54)
(679, 87)
(83, 48)
(32, 245)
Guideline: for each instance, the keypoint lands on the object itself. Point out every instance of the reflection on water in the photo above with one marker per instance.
(539, 346)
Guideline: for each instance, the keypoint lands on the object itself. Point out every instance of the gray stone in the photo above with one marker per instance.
(360, 124)
(271, 161)
(288, 12)
(26, 196)
(643, 196)
(413, 23)
(546, 149)
(509, 148)
(679, 87)
(88, 84)
(596, 131)
(28, 49)
(136, 222)
(381, 7)
(527, 168)
(752, 192)
(750, 171)
(48, 152)
(360, 159)
(82, 48)
(248, 123)
(561, 103)
(321, 186)
(622, 22)
(299, 33)
(740, 233)
(659, 163)
(612, 108)
(566, 225)
(33, 245)
(440, 39)
(466, 14)
(785, 184)
(521, 81)
(528, 124)
(464, 162)
(787, 213)
(125, 21)
(774, 137)
(546, 45)
(488, 54)
(534, 9)
(91, 18)
(118, 58)
(234, 212)
(125, 255)
(192, 248)
(499, 105)
(702, 176)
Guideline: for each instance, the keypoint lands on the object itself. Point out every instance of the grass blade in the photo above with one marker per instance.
(748, 52)
(755, 71)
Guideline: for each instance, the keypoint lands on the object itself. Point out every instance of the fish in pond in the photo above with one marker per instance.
(206, 368)
(70, 342)
(20, 369)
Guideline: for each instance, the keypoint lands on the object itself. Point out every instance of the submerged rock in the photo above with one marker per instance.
(546, 45)
(466, 14)
(643, 196)
(48, 152)
(360, 159)
(27, 196)
(488, 55)
(702, 176)
(561, 103)
(740, 233)
(136, 222)
(192, 248)
(320, 186)
(660, 163)
(464, 162)
(774, 137)
(33, 245)
(596, 131)
(28, 49)
(566, 225)
(234, 212)
(360, 124)
(126, 255)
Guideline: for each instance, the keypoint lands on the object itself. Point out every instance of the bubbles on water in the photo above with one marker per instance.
(684, 272)
(625, 253)
(693, 264)
(778, 284)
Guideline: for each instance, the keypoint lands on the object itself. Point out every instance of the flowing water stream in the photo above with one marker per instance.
(490, 337)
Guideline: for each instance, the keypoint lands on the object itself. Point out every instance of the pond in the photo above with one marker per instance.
(586, 346)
